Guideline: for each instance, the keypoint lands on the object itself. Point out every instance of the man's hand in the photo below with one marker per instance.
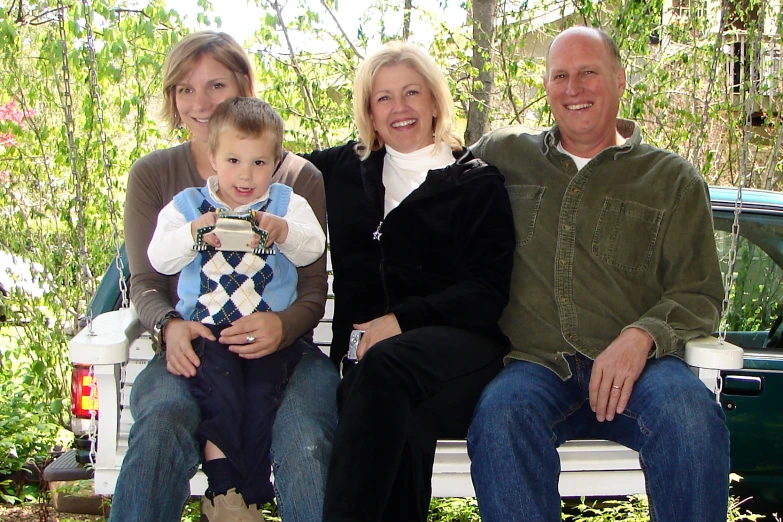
(205, 220)
(616, 370)
(180, 357)
(275, 225)
(376, 331)
(265, 329)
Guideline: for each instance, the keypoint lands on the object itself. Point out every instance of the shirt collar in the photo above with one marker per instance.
(628, 129)
(212, 186)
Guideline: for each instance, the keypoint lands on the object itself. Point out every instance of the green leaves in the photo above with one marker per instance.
(52, 218)
(680, 90)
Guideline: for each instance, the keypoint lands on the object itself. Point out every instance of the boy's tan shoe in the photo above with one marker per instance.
(230, 507)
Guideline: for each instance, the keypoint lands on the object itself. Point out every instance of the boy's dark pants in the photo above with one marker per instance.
(239, 399)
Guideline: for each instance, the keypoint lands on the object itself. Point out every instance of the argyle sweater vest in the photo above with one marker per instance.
(218, 287)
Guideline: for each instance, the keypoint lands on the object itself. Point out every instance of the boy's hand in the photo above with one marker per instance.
(205, 220)
(276, 226)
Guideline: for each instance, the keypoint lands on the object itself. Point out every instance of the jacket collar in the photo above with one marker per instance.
(464, 169)
(628, 129)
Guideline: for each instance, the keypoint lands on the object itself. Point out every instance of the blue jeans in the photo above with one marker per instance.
(163, 453)
(672, 420)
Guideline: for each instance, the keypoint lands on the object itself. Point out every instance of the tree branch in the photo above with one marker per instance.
(307, 96)
(353, 48)
(406, 20)
(504, 64)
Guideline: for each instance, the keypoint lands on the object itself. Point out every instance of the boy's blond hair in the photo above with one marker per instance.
(250, 117)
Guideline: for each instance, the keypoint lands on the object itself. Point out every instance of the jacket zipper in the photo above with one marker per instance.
(377, 237)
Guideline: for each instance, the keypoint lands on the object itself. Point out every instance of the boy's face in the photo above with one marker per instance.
(244, 166)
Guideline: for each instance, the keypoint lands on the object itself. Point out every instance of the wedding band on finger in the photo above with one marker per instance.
(250, 339)
(615, 387)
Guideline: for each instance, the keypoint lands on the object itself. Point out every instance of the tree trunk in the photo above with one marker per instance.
(483, 52)
(406, 20)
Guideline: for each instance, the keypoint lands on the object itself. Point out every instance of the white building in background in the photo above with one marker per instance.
(753, 44)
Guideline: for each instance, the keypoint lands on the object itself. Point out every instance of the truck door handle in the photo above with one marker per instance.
(742, 385)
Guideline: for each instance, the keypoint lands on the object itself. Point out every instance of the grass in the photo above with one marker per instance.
(633, 509)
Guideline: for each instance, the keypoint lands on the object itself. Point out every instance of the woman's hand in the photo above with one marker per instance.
(180, 357)
(376, 331)
(255, 335)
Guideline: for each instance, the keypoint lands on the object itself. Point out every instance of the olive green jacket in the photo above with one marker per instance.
(625, 242)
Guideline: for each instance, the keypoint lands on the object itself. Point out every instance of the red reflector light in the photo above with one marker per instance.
(81, 402)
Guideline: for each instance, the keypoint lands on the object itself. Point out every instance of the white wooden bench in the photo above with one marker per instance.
(121, 348)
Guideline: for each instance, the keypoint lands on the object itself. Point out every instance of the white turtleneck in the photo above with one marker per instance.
(404, 172)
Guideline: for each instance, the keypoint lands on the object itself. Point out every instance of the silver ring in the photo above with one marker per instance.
(250, 339)
(615, 387)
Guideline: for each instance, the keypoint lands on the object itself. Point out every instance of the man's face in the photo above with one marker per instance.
(583, 87)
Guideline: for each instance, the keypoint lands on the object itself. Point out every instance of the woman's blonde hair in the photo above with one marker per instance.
(394, 53)
(184, 56)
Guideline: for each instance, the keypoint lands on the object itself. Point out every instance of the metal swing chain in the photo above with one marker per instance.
(744, 174)
(96, 96)
(70, 132)
(730, 277)
(70, 127)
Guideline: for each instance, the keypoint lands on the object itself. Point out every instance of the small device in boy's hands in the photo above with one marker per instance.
(236, 231)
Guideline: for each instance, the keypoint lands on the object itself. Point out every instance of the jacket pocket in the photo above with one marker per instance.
(626, 233)
(525, 202)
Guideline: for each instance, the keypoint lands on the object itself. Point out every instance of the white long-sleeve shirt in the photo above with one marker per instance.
(171, 247)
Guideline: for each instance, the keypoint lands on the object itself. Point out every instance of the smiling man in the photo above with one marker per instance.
(615, 269)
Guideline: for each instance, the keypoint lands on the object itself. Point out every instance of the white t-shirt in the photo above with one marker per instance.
(580, 162)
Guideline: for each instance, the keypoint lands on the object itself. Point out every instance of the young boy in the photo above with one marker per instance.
(238, 397)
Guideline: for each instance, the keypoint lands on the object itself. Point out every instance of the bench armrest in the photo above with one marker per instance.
(112, 333)
(711, 353)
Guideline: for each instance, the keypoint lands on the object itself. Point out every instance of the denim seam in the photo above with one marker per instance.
(650, 506)
(642, 464)
(561, 418)
(639, 422)
(278, 503)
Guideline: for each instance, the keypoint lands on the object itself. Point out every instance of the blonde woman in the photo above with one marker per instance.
(422, 238)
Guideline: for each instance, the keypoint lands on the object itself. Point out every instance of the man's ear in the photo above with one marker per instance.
(545, 78)
(621, 80)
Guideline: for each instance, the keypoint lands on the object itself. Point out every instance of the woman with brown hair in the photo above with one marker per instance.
(202, 70)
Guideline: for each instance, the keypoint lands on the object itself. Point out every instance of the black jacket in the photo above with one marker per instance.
(443, 257)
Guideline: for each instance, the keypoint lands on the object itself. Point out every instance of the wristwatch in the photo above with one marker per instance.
(160, 325)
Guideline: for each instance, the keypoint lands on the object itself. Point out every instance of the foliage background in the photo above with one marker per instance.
(62, 180)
